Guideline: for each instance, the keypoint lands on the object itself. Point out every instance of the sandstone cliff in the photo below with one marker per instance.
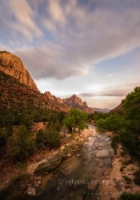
(53, 98)
(75, 102)
(13, 66)
(49, 96)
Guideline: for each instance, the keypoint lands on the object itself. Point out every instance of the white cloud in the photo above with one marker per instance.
(24, 22)
(82, 36)
(109, 75)
(56, 11)
(49, 24)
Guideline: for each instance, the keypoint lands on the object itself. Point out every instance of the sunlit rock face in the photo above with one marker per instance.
(50, 96)
(76, 102)
(13, 66)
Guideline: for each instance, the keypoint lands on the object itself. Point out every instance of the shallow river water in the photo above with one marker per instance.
(76, 178)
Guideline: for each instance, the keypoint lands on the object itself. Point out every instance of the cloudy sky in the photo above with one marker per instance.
(87, 47)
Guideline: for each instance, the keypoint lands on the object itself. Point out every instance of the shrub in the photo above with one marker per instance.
(40, 139)
(129, 196)
(121, 169)
(22, 144)
(127, 179)
(53, 137)
(3, 138)
(137, 177)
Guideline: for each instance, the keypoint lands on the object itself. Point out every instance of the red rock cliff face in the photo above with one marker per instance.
(13, 66)
(49, 96)
(74, 100)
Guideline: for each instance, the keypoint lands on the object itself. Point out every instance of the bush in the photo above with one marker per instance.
(129, 196)
(137, 177)
(9, 130)
(22, 144)
(114, 122)
(127, 179)
(3, 138)
(53, 137)
(127, 139)
(121, 169)
(40, 139)
(27, 121)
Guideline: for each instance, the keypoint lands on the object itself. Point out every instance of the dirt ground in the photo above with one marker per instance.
(114, 183)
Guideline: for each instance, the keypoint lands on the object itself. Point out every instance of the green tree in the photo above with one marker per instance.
(76, 119)
(3, 138)
(27, 120)
(91, 116)
(69, 122)
(115, 122)
(22, 144)
(131, 106)
(40, 139)
(9, 130)
(98, 115)
(3, 141)
(52, 136)
(126, 124)
(129, 196)
(64, 129)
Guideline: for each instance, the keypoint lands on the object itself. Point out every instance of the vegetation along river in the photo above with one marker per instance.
(76, 178)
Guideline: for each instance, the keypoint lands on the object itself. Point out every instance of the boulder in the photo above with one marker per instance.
(30, 191)
(103, 154)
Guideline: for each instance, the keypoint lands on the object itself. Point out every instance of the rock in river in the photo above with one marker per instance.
(30, 191)
(103, 154)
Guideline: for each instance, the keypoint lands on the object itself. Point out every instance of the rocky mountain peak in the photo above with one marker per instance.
(49, 96)
(76, 100)
(85, 104)
(13, 66)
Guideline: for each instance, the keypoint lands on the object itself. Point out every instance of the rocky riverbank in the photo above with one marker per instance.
(120, 178)
(19, 181)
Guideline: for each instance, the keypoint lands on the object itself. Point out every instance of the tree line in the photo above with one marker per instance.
(125, 124)
(23, 143)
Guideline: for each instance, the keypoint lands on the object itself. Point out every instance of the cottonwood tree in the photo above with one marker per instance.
(76, 119)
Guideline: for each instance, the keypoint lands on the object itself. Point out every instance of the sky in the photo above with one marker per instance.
(90, 48)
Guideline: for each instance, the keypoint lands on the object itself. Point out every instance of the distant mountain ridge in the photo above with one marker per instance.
(102, 110)
(70, 102)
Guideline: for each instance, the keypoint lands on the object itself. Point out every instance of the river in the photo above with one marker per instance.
(77, 177)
